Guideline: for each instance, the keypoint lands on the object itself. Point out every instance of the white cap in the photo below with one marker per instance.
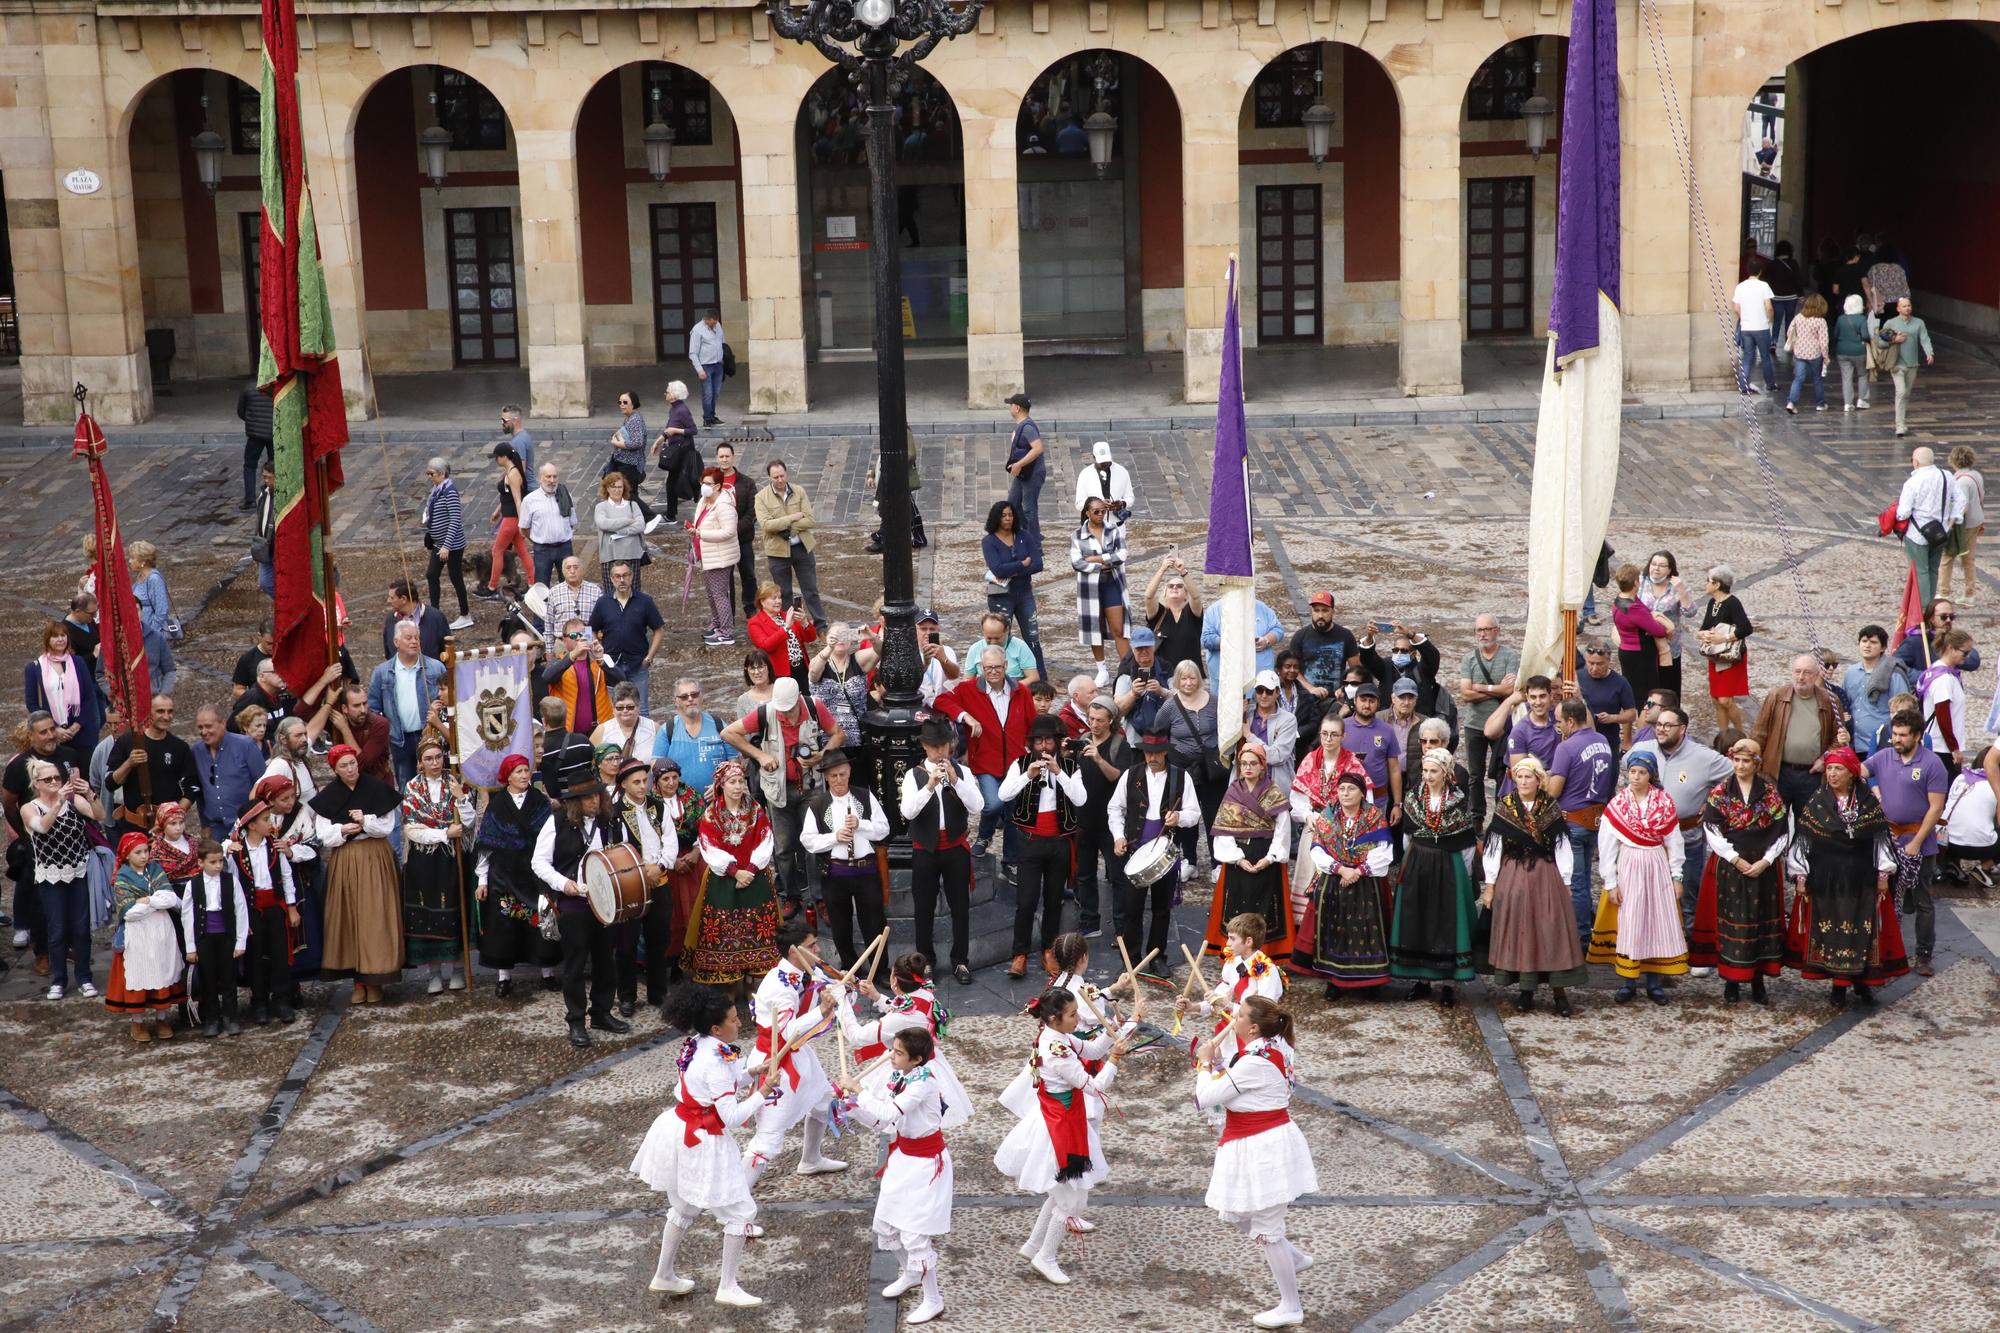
(1266, 680)
(784, 694)
(1101, 451)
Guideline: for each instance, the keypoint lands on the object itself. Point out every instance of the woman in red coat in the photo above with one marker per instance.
(781, 633)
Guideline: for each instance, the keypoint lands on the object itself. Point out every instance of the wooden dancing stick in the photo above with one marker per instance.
(1131, 973)
(840, 1042)
(870, 955)
(783, 1051)
(1195, 977)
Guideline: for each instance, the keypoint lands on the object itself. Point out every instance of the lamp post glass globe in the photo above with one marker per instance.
(1318, 121)
(208, 149)
(659, 137)
(874, 13)
(1535, 112)
(436, 142)
(1102, 130)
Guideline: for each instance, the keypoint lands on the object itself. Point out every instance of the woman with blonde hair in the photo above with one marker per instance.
(156, 613)
(1958, 543)
(1526, 864)
(1806, 338)
(621, 526)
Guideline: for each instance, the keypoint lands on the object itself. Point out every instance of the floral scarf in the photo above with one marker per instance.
(1250, 811)
(1642, 823)
(729, 828)
(1528, 833)
(422, 807)
(1449, 824)
(1313, 779)
(1346, 837)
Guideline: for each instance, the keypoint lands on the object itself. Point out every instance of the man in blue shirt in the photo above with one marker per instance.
(227, 765)
(1373, 741)
(404, 689)
(705, 351)
(1534, 732)
(517, 435)
(1581, 778)
(630, 627)
(691, 738)
(1027, 464)
(1270, 633)
(1606, 694)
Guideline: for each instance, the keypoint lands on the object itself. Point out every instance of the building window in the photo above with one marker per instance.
(835, 123)
(1286, 87)
(1503, 83)
(471, 113)
(1067, 94)
(683, 101)
(246, 118)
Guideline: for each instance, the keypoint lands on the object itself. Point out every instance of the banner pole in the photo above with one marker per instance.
(449, 693)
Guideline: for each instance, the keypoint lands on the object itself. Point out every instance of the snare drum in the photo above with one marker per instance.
(1153, 862)
(617, 884)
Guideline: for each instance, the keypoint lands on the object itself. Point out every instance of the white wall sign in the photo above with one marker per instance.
(840, 229)
(82, 181)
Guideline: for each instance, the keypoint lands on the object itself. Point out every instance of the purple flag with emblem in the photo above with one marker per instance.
(1229, 558)
(1576, 434)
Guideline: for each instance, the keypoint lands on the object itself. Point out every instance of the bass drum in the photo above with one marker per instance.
(1152, 862)
(616, 884)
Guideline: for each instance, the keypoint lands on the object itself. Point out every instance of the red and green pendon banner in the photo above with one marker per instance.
(296, 366)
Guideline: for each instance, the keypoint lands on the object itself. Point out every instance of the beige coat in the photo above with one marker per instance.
(715, 524)
(778, 518)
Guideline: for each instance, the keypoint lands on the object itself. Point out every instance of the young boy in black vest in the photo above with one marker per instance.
(1043, 791)
(935, 801)
(264, 876)
(215, 931)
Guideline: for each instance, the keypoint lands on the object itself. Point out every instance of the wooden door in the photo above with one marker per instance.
(1499, 265)
(1288, 263)
(485, 327)
(684, 274)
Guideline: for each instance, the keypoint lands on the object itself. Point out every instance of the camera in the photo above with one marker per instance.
(1079, 745)
(804, 751)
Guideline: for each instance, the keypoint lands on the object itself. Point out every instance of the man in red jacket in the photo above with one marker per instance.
(996, 713)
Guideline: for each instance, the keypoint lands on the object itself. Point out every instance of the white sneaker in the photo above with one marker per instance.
(20, 939)
(87, 991)
(463, 622)
(1701, 971)
(1279, 1318)
(673, 1286)
(55, 992)
(738, 1297)
(436, 986)
(1049, 1269)
(1861, 402)
(822, 1167)
(1103, 675)
(905, 1281)
(1847, 407)
(926, 1312)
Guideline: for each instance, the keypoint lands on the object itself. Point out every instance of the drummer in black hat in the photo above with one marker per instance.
(1043, 793)
(1154, 795)
(844, 822)
(639, 817)
(577, 830)
(937, 800)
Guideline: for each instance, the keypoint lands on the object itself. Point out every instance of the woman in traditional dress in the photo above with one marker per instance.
(355, 814)
(1739, 918)
(436, 809)
(912, 1002)
(682, 807)
(1055, 1149)
(1639, 855)
(1843, 924)
(1431, 939)
(688, 1152)
(1527, 868)
(738, 918)
(1262, 1162)
(509, 934)
(1343, 938)
(173, 851)
(1252, 837)
(1312, 791)
(146, 964)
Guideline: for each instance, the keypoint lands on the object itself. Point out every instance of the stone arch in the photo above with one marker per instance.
(1507, 220)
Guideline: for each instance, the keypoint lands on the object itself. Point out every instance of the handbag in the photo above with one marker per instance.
(1933, 529)
(1211, 767)
(1727, 652)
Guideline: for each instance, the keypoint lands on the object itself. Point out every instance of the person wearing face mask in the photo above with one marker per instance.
(717, 548)
(1411, 654)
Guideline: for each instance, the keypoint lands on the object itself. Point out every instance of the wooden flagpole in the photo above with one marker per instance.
(448, 693)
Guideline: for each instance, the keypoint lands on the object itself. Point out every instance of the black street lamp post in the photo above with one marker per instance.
(878, 43)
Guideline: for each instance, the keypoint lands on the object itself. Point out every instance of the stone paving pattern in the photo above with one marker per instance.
(453, 1164)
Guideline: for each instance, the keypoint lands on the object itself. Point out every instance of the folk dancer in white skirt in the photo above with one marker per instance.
(1055, 1150)
(914, 1206)
(912, 1004)
(1245, 972)
(793, 1002)
(1262, 1162)
(689, 1153)
(1099, 1024)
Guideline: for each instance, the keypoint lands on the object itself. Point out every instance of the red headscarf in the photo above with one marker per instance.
(130, 843)
(340, 752)
(1844, 757)
(509, 764)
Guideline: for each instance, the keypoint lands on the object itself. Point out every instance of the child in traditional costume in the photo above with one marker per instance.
(794, 1004)
(215, 932)
(264, 877)
(1055, 1149)
(914, 1206)
(1262, 1162)
(146, 963)
(912, 1003)
(688, 1152)
(1245, 972)
(1639, 856)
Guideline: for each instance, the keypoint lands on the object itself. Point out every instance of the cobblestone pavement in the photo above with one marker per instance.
(451, 1163)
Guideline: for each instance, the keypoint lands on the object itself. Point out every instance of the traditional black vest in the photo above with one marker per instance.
(567, 856)
(1135, 799)
(194, 902)
(1028, 800)
(924, 829)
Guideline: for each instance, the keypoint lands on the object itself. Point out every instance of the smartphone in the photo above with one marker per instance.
(1385, 627)
(798, 601)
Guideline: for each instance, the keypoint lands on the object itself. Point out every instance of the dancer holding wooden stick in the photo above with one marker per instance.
(794, 1003)
(1245, 972)
(914, 1206)
(912, 1003)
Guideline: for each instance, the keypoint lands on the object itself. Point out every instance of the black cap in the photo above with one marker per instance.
(834, 758)
(1019, 400)
(1367, 690)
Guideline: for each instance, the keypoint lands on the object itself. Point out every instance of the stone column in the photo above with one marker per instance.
(1432, 333)
(992, 246)
(1212, 229)
(1658, 285)
(552, 292)
(41, 299)
(777, 341)
(336, 212)
(99, 239)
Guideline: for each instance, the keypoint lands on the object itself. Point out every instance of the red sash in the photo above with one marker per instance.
(696, 1116)
(1069, 1132)
(863, 1054)
(764, 1039)
(931, 1145)
(1242, 1124)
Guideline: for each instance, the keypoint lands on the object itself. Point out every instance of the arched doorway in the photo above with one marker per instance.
(661, 231)
(1097, 144)
(832, 145)
(197, 245)
(1509, 128)
(1318, 192)
(438, 194)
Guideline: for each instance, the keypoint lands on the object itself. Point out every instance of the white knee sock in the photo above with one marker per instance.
(1278, 1255)
(671, 1236)
(754, 1164)
(815, 1135)
(1042, 1224)
(732, 1255)
(503, 974)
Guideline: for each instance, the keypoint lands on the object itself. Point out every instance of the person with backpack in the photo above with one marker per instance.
(787, 739)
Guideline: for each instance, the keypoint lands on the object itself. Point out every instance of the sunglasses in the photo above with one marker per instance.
(1946, 616)
(1265, 689)
(573, 636)
(691, 694)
